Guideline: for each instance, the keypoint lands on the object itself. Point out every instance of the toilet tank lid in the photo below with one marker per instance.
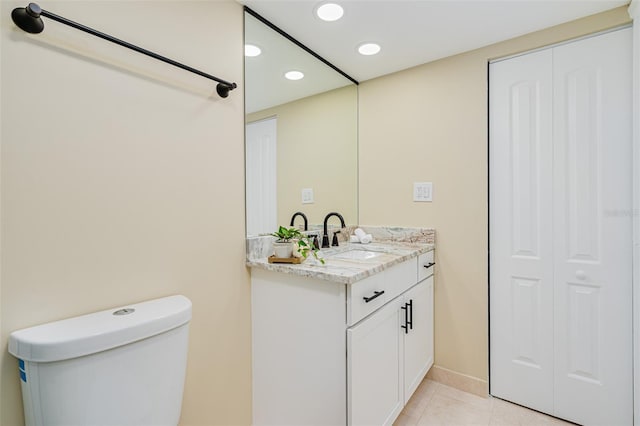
(99, 331)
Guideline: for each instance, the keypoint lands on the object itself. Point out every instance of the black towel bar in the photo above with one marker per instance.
(28, 19)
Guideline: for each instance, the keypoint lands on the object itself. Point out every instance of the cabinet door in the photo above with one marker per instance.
(374, 368)
(418, 337)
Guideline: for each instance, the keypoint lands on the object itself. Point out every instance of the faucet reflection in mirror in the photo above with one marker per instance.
(304, 217)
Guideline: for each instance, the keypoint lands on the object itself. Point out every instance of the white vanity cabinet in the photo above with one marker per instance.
(388, 355)
(326, 353)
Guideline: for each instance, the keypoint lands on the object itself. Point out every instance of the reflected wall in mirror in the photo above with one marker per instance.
(301, 134)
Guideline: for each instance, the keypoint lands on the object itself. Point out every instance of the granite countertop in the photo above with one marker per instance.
(348, 271)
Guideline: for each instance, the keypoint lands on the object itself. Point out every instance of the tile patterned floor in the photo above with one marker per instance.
(435, 404)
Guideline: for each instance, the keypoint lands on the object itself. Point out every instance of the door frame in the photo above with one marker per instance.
(634, 13)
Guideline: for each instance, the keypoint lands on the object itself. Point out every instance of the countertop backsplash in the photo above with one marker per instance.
(261, 247)
(400, 234)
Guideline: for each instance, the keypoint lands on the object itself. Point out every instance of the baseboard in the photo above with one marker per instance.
(459, 381)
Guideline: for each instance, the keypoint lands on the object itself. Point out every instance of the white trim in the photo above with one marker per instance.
(460, 381)
(634, 13)
(560, 43)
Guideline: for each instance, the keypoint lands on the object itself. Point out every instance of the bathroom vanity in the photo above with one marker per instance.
(343, 343)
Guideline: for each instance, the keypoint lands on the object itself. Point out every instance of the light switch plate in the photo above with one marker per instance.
(423, 191)
(307, 195)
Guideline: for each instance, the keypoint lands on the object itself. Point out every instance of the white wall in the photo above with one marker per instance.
(122, 179)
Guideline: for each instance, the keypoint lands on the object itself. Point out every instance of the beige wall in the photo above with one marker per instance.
(123, 180)
(429, 123)
(317, 148)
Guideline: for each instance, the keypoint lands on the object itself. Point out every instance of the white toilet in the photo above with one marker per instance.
(122, 366)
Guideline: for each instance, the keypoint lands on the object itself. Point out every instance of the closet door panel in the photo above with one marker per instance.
(520, 259)
(592, 223)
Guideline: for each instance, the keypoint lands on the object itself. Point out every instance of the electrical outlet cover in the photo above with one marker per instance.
(307, 195)
(422, 191)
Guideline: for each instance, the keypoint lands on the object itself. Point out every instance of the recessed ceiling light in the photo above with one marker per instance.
(293, 75)
(369, 49)
(330, 12)
(251, 50)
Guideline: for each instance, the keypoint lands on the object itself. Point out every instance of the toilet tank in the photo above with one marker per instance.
(122, 366)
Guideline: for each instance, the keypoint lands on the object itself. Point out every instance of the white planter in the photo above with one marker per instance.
(283, 250)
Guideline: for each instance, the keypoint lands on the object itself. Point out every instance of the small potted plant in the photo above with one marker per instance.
(283, 246)
(291, 242)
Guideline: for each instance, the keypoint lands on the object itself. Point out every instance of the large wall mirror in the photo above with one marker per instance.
(301, 135)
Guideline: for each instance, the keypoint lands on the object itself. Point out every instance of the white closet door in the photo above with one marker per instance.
(261, 176)
(560, 230)
(592, 218)
(520, 223)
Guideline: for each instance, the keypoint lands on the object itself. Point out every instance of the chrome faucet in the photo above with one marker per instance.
(306, 222)
(325, 237)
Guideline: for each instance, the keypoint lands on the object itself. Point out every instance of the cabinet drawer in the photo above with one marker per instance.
(401, 277)
(424, 270)
(364, 297)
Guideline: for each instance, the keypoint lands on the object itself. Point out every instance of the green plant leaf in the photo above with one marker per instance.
(305, 246)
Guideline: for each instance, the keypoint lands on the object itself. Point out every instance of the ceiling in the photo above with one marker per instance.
(413, 32)
(265, 85)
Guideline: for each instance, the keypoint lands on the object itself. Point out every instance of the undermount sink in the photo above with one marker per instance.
(356, 255)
